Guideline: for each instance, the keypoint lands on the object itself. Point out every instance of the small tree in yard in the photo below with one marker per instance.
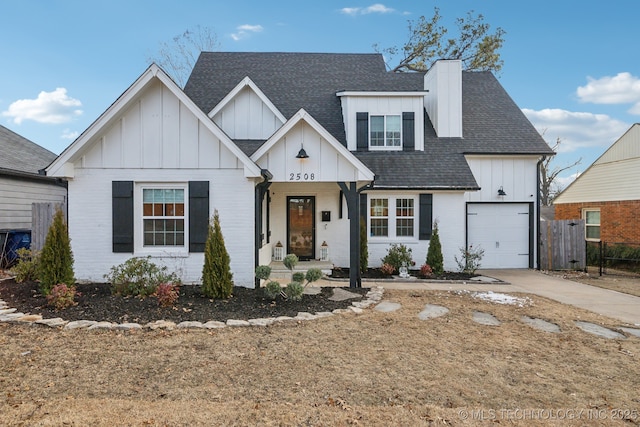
(217, 279)
(434, 253)
(56, 259)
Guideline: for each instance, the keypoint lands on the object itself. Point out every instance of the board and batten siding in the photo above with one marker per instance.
(90, 225)
(157, 131)
(381, 105)
(246, 116)
(517, 175)
(17, 196)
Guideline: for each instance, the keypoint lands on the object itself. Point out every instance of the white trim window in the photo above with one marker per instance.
(162, 213)
(386, 222)
(385, 131)
(592, 224)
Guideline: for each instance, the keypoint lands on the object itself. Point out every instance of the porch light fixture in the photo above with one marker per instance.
(501, 192)
(302, 154)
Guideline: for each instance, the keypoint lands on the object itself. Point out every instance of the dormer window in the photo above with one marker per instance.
(385, 131)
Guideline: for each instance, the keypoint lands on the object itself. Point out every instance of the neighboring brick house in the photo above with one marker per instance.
(607, 194)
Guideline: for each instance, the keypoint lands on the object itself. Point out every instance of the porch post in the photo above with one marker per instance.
(353, 212)
(261, 189)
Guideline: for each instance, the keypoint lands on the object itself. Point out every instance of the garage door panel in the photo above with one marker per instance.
(502, 231)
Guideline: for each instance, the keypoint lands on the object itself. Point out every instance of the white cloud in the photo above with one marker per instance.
(245, 31)
(623, 88)
(49, 107)
(576, 130)
(69, 134)
(374, 8)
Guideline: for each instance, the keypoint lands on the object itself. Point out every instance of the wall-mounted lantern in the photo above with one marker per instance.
(501, 192)
(302, 154)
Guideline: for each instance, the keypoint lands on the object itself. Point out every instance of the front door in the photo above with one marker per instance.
(301, 227)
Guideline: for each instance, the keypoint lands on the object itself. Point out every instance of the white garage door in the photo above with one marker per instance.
(502, 230)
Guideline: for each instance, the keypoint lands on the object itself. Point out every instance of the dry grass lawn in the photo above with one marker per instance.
(372, 369)
(616, 280)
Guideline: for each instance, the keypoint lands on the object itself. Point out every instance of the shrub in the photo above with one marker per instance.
(167, 294)
(217, 279)
(56, 258)
(313, 274)
(27, 267)
(397, 256)
(263, 272)
(298, 276)
(294, 291)
(138, 277)
(290, 261)
(470, 259)
(62, 296)
(434, 253)
(272, 289)
(364, 247)
(387, 269)
(426, 271)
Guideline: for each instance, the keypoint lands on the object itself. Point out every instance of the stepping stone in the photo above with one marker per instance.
(312, 290)
(432, 311)
(601, 331)
(632, 331)
(485, 319)
(483, 279)
(387, 306)
(342, 295)
(543, 325)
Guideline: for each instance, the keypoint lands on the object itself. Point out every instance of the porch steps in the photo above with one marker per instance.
(279, 271)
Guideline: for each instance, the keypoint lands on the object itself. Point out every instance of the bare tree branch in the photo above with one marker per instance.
(549, 188)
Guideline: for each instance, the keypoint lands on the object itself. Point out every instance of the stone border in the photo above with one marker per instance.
(11, 315)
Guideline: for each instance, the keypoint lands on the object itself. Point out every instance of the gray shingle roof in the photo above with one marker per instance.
(21, 155)
(492, 122)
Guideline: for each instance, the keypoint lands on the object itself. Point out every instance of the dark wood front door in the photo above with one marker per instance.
(301, 227)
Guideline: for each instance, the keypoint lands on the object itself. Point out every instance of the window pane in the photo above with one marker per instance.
(404, 207)
(379, 207)
(377, 131)
(592, 217)
(179, 209)
(147, 209)
(163, 209)
(404, 227)
(593, 232)
(147, 196)
(157, 209)
(393, 131)
(379, 227)
(169, 209)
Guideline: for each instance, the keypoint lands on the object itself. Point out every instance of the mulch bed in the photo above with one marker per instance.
(375, 273)
(96, 302)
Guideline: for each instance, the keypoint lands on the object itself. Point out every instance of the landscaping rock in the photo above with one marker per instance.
(161, 324)
(80, 324)
(127, 326)
(312, 290)
(29, 318)
(387, 306)
(432, 311)
(261, 322)
(102, 325)
(185, 325)
(236, 322)
(485, 319)
(214, 324)
(342, 295)
(54, 322)
(305, 316)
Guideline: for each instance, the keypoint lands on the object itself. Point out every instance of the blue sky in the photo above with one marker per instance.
(572, 66)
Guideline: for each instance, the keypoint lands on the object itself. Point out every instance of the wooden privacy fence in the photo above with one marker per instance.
(562, 245)
(41, 219)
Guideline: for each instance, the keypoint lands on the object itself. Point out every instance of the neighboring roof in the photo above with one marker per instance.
(612, 177)
(21, 155)
(492, 122)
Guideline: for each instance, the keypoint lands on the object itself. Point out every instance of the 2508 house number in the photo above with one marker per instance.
(302, 176)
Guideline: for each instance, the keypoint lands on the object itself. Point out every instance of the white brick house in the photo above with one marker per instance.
(295, 148)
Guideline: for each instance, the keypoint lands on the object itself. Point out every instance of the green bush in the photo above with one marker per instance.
(294, 291)
(397, 256)
(272, 289)
(138, 277)
(26, 270)
(434, 253)
(217, 279)
(364, 247)
(290, 261)
(56, 258)
(313, 274)
(298, 276)
(263, 272)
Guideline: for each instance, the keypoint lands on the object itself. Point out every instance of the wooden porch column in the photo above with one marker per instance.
(352, 195)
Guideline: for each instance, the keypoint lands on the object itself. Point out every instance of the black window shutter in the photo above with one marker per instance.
(122, 216)
(408, 131)
(363, 206)
(362, 131)
(198, 215)
(426, 216)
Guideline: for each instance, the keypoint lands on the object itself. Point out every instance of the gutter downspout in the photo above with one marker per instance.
(261, 189)
(538, 180)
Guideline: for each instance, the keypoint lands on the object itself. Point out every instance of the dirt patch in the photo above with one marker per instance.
(375, 368)
(616, 280)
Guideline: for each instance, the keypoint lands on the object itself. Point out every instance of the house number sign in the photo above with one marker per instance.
(302, 176)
